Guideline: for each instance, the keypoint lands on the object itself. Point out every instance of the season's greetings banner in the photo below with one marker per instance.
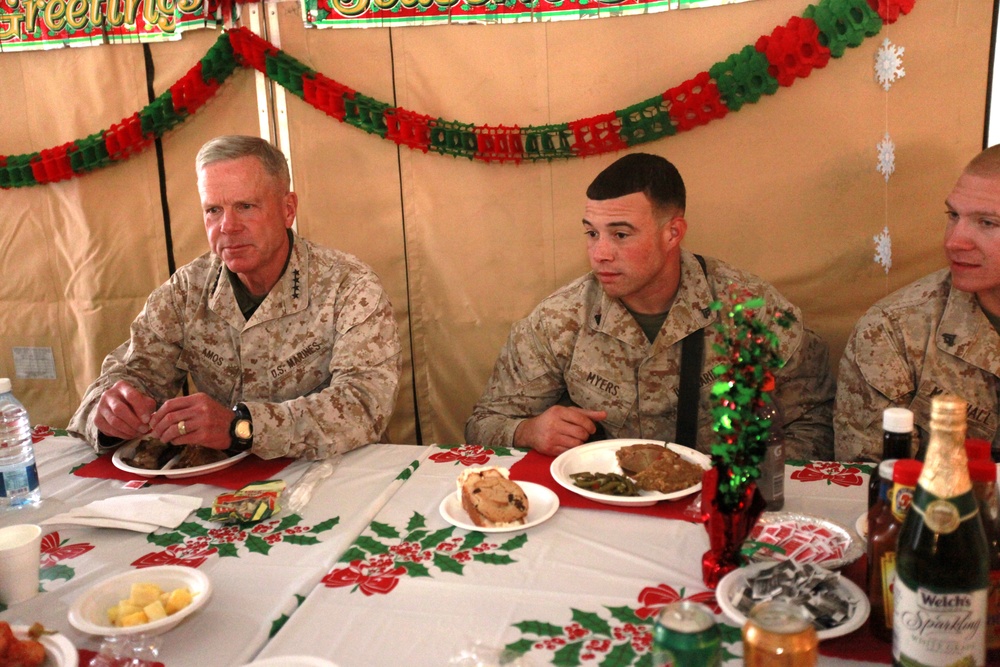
(48, 24)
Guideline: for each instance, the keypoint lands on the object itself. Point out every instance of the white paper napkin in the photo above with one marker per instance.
(143, 513)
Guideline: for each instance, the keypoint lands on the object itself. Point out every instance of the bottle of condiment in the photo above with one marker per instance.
(772, 468)
(884, 475)
(976, 448)
(883, 533)
(897, 442)
(942, 566)
(984, 486)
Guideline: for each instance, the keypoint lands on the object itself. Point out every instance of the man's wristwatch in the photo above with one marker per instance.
(241, 430)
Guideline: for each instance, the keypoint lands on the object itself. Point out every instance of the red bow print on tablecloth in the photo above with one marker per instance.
(830, 472)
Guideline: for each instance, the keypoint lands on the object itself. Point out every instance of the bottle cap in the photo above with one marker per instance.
(897, 420)
(907, 472)
(885, 469)
(975, 448)
(4, 385)
(982, 471)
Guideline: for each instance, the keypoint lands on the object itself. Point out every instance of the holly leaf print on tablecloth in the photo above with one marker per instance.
(831, 472)
(408, 471)
(195, 542)
(623, 640)
(54, 550)
(468, 455)
(374, 565)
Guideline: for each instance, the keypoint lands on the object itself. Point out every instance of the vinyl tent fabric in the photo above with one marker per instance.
(785, 188)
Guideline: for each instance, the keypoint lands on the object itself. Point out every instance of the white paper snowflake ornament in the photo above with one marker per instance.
(886, 157)
(889, 64)
(883, 249)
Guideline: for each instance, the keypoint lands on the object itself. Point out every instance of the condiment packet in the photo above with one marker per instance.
(802, 584)
(253, 503)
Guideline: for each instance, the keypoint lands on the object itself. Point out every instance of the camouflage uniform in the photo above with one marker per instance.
(317, 364)
(581, 347)
(921, 341)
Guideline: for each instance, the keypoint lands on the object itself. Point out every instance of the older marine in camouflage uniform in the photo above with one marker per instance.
(581, 347)
(925, 339)
(317, 364)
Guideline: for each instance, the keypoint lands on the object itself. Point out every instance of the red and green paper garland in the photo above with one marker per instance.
(791, 51)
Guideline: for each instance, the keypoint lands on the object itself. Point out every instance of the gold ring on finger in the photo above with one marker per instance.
(181, 428)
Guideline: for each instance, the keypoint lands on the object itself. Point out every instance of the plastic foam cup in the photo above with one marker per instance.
(20, 560)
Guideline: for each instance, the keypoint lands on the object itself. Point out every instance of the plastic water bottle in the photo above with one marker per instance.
(18, 472)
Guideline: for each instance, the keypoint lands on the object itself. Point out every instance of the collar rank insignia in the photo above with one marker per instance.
(295, 284)
(949, 339)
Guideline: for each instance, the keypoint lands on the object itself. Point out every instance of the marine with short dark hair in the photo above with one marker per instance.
(602, 356)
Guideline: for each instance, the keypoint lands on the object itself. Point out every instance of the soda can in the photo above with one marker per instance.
(685, 635)
(779, 634)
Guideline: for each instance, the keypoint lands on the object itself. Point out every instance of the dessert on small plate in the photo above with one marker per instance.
(487, 500)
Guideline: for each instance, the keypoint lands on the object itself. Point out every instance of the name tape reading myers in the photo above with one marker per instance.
(46, 24)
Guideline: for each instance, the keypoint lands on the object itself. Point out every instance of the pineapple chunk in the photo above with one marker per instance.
(143, 594)
(126, 608)
(179, 598)
(138, 618)
(154, 611)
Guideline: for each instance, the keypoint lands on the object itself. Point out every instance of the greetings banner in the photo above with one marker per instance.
(385, 13)
(48, 24)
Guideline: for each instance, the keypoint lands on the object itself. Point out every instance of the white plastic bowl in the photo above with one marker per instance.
(89, 612)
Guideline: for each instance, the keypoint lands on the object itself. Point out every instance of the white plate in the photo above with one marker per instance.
(59, 652)
(542, 504)
(851, 548)
(600, 457)
(737, 580)
(167, 470)
(89, 612)
(861, 526)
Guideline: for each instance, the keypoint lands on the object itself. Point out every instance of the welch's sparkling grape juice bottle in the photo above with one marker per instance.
(942, 562)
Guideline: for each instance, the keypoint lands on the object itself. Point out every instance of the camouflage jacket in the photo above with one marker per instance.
(920, 341)
(581, 347)
(317, 364)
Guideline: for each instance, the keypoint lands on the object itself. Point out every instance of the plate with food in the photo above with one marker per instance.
(150, 600)
(487, 500)
(152, 458)
(36, 646)
(630, 473)
(836, 605)
(803, 538)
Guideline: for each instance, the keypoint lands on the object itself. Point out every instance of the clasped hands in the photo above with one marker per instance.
(127, 413)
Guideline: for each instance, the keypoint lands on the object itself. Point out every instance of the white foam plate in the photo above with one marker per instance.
(89, 612)
(600, 457)
(168, 469)
(736, 581)
(59, 652)
(861, 526)
(542, 504)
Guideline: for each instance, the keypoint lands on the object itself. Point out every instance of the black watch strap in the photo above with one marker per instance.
(241, 429)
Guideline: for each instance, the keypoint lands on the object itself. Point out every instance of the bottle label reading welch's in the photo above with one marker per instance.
(938, 628)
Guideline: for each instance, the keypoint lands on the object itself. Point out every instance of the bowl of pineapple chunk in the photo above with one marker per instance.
(150, 600)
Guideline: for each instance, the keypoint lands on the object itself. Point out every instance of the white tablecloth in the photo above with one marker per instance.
(259, 576)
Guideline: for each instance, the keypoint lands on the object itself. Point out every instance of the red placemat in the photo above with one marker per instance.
(859, 645)
(534, 467)
(236, 476)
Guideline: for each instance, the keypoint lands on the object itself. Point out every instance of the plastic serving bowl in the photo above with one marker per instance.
(89, 612)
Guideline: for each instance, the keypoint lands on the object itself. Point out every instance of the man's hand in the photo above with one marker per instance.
(124, 412)
(206, 422)
(557, 429)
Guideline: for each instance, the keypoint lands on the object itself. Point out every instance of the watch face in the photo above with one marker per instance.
(243, 430)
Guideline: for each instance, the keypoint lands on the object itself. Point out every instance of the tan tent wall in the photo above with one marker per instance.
(786, 188)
